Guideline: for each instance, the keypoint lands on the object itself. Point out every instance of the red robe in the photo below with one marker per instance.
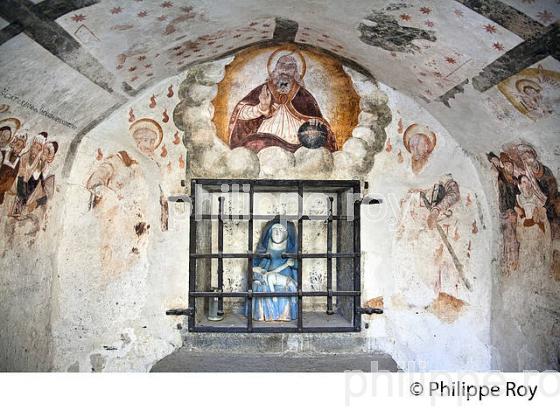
(300, 103)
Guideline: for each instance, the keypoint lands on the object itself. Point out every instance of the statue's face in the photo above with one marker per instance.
(279, 234)
(284, 74)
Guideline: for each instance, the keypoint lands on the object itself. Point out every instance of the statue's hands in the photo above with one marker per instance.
(265, 98)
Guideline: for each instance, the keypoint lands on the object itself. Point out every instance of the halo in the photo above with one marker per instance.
(419, 129)
(149, 124)
(13, 123)
(524, 82)
(294, 51)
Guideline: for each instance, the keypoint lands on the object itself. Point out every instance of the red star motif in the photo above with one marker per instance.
(166, 4)
(458, 13)
(147, 66)
(132, 69)
(143, 13)
(140, 58)
(490, 28)
(425, 10)
(450, 60)
(162, 18)
(429, 23)
(119, 66)
(498, 46)
(78, 17)
(116, 10)
(405, 17)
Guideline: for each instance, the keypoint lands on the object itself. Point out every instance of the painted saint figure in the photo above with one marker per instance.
(272, 113)
(420, 141)
(276, 273)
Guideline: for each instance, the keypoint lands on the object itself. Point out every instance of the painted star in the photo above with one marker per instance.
(450, 60)
(458, 13)
(405, 17)
(545, 16)
(166, 4)
(162, 18)
(425, 10)
(143, 13)
(490, 28)
(78, 17)
(116, 10)
(498, 46)
(429, 23)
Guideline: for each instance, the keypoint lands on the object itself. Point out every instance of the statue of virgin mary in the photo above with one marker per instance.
(276, 273)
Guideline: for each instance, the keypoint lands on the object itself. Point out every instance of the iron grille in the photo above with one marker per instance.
(343, 310)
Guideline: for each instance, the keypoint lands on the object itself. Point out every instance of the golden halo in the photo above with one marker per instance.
(419, 129)
(149, 124)
(294, 50)
(13, 123)
(524, 82)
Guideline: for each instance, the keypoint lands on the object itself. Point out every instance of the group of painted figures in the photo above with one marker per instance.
(24, 170)
(528, 196)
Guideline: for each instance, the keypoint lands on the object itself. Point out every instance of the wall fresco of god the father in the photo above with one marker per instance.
(286, 97)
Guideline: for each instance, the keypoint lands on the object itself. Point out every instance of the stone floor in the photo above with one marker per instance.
(185, 360)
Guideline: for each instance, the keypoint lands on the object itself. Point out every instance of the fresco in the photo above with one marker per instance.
(534, 92)
(295, 98)
(425, 38)
(26, 182)
(436, 227)
(529, 205)
(420, 141)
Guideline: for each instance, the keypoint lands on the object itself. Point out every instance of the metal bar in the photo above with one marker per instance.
(250, 260)
(357, 259)
(369, 311)
(321, 255)
(239, 329)
(220, 258)
(300, 259)
(314, 293)
(179, 312)
(242, 217)
(329, 259)
(229, 255)
(339, 223)
(266, 255)
(192, 261)
(287, 185)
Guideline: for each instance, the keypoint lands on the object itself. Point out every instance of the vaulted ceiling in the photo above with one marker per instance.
(81, 59)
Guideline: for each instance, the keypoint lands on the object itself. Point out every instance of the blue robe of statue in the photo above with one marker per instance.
(278, 308)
